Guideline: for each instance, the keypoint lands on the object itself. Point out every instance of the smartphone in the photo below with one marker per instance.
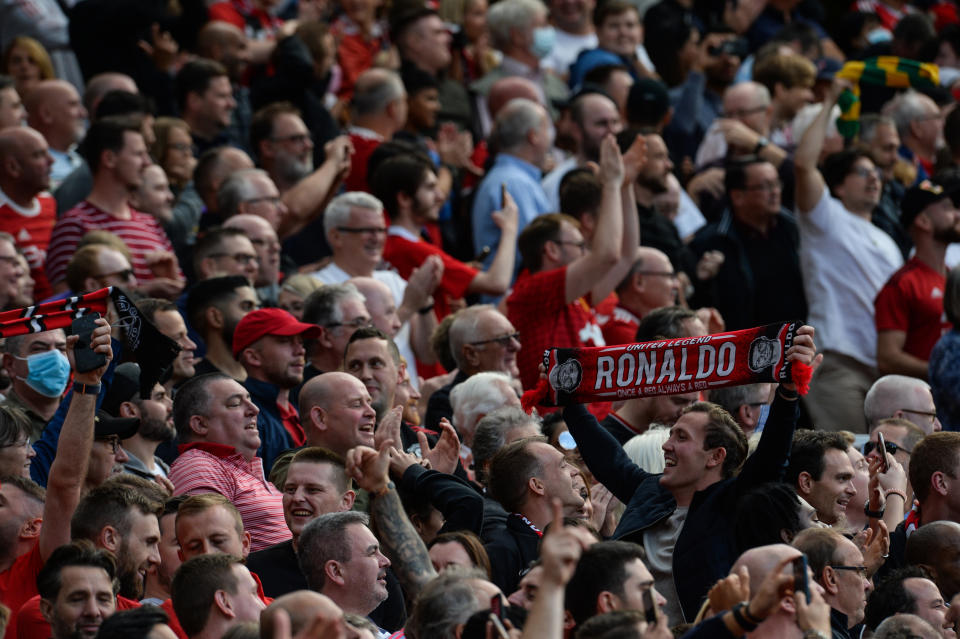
(800, 583)
(498, 627)
(496, 606)
(86, 358)
(649, 606)
(882, 451)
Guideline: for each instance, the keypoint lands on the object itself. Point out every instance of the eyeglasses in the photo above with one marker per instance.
(765, 186)
(503, 340)
(361, 230)
(114, 442)
(124, 275)
(299, 138)
(182, 147)
(862, 570)
(239, 258)
(890, 447)
(672, 275)
(270, 199)
(930, 414)
(580, 245)
(864, 172)
(359, 322)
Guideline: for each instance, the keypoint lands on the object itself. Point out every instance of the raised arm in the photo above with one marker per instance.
(603, 454)
(773, 451)
(400, 541)
(584, 273)
(810, 184)
(633, 161)
(69, 468)
(306, 200)
(496, 279)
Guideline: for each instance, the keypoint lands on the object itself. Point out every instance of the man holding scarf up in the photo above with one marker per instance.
(684, 517)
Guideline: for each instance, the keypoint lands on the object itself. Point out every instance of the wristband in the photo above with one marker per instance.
(426, 309)
(875, 514)
(787, 394)
(86, 389)
(762, 143)
(895, 492)
(749, 615)
(741, 620)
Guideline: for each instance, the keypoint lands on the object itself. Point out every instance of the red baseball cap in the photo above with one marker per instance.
(269, 321)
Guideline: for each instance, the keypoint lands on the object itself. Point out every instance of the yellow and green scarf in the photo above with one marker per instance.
(888, 71)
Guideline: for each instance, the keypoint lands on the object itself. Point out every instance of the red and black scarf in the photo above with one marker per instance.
(668, 367)
(153, 350)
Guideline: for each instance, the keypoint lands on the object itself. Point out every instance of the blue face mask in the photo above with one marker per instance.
(49, 372)
(543, 40)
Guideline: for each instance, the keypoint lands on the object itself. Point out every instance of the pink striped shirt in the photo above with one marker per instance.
(206, 467)
(141, 233)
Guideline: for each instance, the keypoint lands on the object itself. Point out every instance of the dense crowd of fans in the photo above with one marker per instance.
(362, 223)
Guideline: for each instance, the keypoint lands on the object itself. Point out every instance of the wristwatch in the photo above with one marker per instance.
(876, 514)
(762, 142)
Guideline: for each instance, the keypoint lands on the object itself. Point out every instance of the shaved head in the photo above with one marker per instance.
(302, 606)
(508, 89)
(761, 561)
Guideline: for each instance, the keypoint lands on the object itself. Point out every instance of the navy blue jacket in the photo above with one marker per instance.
(706, 547)
(274, 438)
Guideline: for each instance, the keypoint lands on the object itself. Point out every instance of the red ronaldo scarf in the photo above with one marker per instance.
(668, 367)
(153, 350)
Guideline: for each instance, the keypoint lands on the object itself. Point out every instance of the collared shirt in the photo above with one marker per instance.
(207, 467)
(136, 467)
(64, 163)
(522, 180)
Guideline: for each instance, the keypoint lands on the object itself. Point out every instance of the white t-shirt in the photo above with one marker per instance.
(565, 51)
(659, 541)
(846, 260)
(333, 274)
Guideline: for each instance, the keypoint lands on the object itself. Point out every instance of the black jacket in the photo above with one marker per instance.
(511, 551)
(706, 547)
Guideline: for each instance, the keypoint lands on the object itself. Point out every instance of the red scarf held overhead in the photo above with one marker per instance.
(668, 367)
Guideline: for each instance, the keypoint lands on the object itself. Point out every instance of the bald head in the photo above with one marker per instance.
(214, 35)
(54, 109)
(904, 397)
(506, 89)
(926, 545)
(337, 412)
(12, 140)
(762, 560)
(249, 224)
(102, 84)
(303, 606)
(380, 304)
(24, 164)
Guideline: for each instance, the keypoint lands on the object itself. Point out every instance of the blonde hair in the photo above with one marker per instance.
(37, 53)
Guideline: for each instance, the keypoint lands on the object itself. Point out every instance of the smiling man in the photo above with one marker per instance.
(217, 427)
(315, 485)
(685, 517)
(77, 591)
(268, 342)
(822, 474)
(337, 412)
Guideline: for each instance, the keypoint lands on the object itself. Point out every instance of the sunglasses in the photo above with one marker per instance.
(890, 447)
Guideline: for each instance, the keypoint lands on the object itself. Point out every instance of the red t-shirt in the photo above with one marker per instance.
(406, 255)
(912, 301)
(141, 233)
(364, 144)
(621, 327)
(538, 308)
(18, 584)
(31, 229)
(245, 16)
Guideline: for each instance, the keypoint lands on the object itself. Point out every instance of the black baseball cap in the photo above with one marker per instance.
(123, 388)
(647, 101)
(919, 197)
(105, 425)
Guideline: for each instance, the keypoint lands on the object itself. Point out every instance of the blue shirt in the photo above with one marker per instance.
(522, 180)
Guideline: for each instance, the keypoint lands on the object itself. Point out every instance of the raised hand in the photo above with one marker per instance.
(443, 457)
